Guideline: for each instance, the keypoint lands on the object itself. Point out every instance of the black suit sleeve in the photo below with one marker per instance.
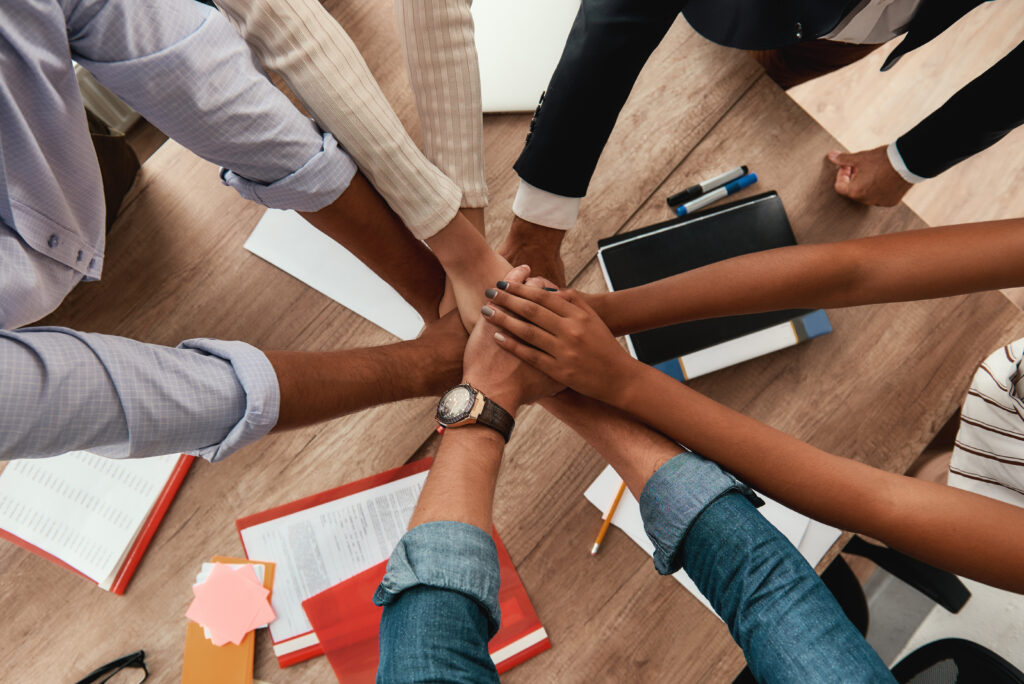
(609, 44)
(976, 117)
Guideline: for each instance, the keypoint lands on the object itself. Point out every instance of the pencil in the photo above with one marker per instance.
(607, 519)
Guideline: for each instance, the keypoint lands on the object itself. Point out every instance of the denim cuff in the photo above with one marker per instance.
(447, 555)
(320, 181)
(675, 496)
(262, 393)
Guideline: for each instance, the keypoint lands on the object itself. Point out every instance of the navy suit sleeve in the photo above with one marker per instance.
(608, 45)
(976, 117)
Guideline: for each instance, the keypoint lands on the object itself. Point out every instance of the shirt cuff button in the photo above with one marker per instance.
(53, 241)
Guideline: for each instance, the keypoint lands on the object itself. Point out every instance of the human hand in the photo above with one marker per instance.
(444, 341)
(868, 177)
(502, 377)
(529, 243)
(559, 334)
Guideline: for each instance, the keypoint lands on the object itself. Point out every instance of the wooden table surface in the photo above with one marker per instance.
(876, 390)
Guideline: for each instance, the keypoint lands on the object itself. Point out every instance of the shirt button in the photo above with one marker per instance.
(53, 241)
(92, 263)
(799, 31)
(80, 255)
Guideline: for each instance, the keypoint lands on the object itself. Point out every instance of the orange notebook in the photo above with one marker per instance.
(322, 540)
(205, 663)
(92, 515)
(346, 623)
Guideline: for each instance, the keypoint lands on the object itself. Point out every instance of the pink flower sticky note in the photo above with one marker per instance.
(230, 604)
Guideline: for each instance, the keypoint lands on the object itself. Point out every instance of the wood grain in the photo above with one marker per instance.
(875, 390)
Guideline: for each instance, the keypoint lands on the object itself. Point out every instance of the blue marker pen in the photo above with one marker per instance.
(715, 195)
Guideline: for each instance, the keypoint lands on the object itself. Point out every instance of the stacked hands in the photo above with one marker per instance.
(534, 340)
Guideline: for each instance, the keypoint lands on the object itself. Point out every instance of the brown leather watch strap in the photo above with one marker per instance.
(494, 416)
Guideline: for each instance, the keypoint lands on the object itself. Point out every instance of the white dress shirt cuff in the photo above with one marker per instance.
(545, 208)
(899, 166)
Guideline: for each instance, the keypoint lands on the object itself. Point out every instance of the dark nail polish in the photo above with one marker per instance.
(551, 289)
(487, 311)
(502, 285)
(491, 293)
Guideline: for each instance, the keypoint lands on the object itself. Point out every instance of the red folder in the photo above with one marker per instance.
(346, 623)
(146, 532)
(305, 646)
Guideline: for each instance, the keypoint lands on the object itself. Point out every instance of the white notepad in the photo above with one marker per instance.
(83, 509)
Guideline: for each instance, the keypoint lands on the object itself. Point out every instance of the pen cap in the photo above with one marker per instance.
(740, 183)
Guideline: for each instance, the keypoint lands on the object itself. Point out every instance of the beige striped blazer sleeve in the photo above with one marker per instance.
(437, 38)
(302, 42)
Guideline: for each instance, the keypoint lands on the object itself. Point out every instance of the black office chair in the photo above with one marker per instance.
(955, 661)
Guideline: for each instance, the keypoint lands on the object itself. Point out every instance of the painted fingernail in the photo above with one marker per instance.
(490, 293)
(551, 289)
(487, 311)
(498, 336)
(502, 285)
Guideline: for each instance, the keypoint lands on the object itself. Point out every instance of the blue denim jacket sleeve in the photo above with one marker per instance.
(440, 598)
(779, 612)
(447, 555)
(673, 498)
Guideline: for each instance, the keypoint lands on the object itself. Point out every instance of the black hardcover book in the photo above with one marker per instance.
(681, 244)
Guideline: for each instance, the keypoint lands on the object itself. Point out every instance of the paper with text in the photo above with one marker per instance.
(811, 538)
(82, 508)
(295, 246)
(318, 547)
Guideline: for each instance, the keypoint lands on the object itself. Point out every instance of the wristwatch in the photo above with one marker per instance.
(466, 405)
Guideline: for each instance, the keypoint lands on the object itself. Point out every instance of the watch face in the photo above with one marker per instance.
(455, 405)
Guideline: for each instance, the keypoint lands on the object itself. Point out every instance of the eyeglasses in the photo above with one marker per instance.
(129, 669)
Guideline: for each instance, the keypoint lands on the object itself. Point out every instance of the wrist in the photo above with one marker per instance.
(523, 231)
(458, 244)
(602, 304)
(623, 383)
(508, 398)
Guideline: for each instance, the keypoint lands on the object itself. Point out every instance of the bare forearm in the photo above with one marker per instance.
(317, 386)
(461, 482)
(920, 264)
(956, 530)
(634, 450)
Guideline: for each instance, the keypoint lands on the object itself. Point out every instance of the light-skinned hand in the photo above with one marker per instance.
(559, 334)
(868, 177)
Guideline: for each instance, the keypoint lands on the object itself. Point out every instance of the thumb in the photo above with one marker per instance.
(844, 179)
(842, 158)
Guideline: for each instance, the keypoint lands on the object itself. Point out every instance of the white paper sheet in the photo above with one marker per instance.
(518, 45)
(794, 526)
(82, 508)
(316, 548)
(291, 243)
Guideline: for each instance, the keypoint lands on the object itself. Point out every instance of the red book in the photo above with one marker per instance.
(346, 623)
(328, 538)
(33, 522)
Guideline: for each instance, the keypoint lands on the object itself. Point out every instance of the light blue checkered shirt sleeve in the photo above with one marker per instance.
(64, 390)
(183, 67)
